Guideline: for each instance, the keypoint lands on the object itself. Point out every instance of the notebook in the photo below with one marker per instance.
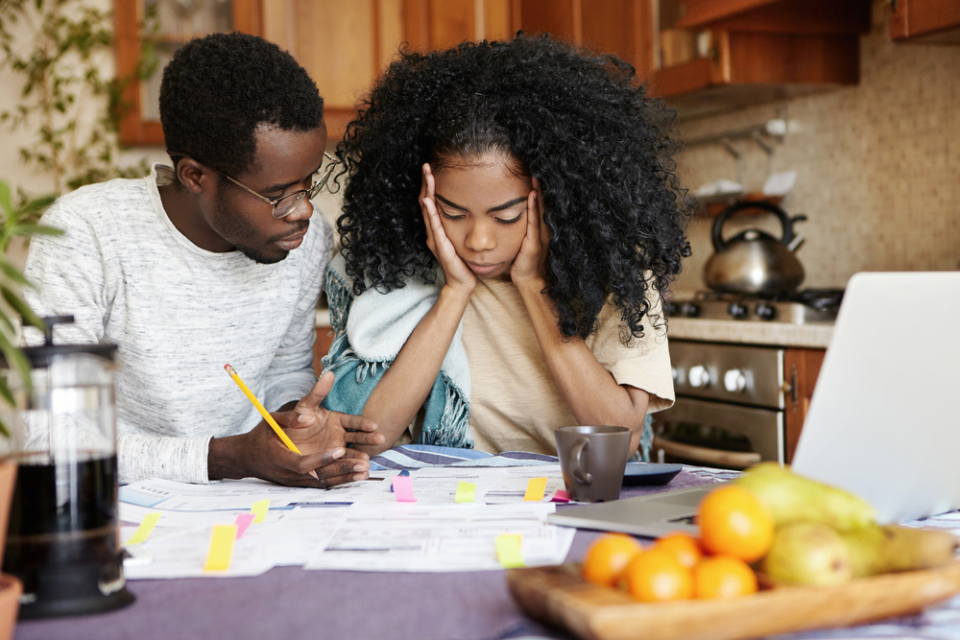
(884, 420)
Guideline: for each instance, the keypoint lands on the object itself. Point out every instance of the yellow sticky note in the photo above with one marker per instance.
(260, 508)
(149, 522)
(221, 547)
(535, 489)
(466, 492)
(508, 550)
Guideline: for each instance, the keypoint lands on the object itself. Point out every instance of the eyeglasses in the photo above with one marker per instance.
(284, 205)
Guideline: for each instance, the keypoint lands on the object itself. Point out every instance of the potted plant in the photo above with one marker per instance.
(17, 220)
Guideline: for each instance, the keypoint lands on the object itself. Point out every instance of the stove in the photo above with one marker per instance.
(796, 307)
(731, 398)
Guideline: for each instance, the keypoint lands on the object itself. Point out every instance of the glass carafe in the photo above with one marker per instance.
(62, 540)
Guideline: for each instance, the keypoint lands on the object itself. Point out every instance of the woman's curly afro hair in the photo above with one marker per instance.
(218, 89)
(578, 122)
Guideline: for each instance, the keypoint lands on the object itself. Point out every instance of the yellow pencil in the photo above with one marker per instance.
(266, 416)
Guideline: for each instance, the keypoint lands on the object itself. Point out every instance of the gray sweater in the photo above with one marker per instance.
(178, 314)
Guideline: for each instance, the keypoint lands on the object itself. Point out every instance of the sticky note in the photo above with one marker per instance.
(243, 521)
(535, 489)
(466, 492)
(405, 472)
(508, 550)
(403, 488)
(561, 496)
(259, 509)
(221, 547)
(149, 522)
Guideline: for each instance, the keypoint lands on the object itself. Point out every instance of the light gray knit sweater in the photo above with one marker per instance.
(178, 314)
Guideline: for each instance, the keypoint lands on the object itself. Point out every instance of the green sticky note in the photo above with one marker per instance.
(259, 509)
(466, 492)
(508, 550)
(220, 553)
(535, 489)
(149, 522)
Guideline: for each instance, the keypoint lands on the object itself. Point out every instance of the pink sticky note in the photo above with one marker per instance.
(403, 488)
(243, 521)
(560, 496)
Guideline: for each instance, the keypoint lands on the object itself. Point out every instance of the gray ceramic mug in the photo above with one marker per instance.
(593, 460)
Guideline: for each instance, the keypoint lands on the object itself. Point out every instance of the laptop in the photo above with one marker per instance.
(884, 420)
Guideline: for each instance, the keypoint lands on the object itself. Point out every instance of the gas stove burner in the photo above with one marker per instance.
(794, 307)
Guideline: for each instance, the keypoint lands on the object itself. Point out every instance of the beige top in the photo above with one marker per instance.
(515, 405)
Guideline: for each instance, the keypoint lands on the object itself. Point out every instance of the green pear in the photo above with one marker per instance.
(792, 498)
(885, 548)
(807, 554)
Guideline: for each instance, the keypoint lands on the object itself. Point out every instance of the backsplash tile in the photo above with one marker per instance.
(878, 166)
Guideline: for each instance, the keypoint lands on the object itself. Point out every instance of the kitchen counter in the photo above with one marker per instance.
(814, 335)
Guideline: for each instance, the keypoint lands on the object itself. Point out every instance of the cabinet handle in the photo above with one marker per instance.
(791, 388)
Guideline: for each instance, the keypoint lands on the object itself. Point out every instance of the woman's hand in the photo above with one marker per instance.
(530, 265)
(458, 274)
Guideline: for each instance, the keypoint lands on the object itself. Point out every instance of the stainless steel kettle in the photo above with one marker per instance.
(753, 261)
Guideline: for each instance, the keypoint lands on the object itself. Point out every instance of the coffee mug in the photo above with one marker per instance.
(593, 460)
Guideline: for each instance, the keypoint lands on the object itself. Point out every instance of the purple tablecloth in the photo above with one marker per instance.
(293, 603)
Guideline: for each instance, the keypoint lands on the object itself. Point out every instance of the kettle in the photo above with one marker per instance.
(753, 261)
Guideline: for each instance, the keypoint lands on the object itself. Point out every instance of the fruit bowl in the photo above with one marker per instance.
(559, 596)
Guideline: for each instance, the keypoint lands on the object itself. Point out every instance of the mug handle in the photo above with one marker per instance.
(576, 453)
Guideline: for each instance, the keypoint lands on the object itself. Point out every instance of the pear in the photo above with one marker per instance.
(885, 548)
(792, 498)
(807, 553)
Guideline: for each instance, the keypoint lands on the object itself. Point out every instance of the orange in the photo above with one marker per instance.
(683, 546)
(607, 556)
(734, 521)
(723, 577)
(657, 576)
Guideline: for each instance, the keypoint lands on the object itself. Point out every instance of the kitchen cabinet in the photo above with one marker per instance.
(925, 21)
(801, 368)
(345, 45)
(178, 22)
(757, 51)
(708, 56)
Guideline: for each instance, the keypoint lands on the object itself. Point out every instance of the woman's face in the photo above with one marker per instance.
(483, 209)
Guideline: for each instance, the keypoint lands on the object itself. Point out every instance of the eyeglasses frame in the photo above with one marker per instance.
(310, 193)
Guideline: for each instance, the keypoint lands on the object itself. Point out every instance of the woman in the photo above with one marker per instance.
(510, 224)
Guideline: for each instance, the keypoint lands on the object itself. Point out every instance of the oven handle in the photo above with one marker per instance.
(712, 457)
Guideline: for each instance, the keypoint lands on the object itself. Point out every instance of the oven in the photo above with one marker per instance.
(731, 398)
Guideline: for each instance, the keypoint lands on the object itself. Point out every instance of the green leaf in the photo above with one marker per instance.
(12, 272)
(22, 308)
(35, 230)
(8, 396)
(5, 202)
(16, 361)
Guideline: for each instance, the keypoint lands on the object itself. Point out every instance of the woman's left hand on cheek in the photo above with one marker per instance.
(532, 259)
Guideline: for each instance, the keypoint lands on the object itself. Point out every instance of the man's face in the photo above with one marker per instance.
(286, 162)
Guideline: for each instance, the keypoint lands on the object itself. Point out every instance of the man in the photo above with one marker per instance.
(213, 261)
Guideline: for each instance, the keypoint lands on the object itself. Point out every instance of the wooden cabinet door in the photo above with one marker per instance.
(621, 27)
(801, 368)
(345, 45)
(925, 21)
(140, 125)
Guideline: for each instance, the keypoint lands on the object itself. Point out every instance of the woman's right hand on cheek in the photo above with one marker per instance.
(456, 271)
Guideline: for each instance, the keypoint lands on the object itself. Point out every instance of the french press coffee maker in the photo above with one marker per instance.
(62, 539)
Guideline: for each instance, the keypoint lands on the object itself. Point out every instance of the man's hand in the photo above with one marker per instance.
(321, 435)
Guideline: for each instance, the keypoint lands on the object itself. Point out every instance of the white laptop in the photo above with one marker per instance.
(884, 421)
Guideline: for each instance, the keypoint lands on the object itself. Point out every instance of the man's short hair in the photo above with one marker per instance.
(217, 89)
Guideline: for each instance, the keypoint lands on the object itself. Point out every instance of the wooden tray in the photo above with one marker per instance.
(559, 596)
